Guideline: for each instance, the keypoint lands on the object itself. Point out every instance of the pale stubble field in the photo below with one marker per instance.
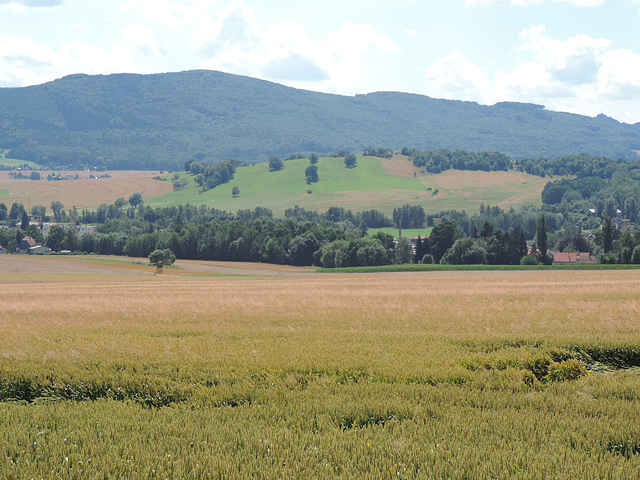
(430, 375)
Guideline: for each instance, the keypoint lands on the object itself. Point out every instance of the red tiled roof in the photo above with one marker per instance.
(30, 241)
(577, 258)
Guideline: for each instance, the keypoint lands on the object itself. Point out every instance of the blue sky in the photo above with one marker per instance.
(579, 56)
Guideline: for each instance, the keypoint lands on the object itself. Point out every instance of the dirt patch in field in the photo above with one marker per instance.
(399, 166)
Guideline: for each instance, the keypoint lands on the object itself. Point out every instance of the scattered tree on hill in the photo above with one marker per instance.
(180, 183)
(313, 158)
(350, 161)
(311, 174)
(235, 191)
(275, 164)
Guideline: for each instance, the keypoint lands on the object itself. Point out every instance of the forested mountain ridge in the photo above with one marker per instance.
(130, 121)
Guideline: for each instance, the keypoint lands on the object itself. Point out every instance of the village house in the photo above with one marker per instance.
(25, 244)
(574, 258)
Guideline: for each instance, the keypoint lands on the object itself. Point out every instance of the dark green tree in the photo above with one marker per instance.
(313, 158)
(275, 164)
(165, 256)
(25, 221)
(120, 202)
(443, 237)
(16, 211)
(56, 207)
(311, 174)
(135, 199)
(235, 191)
(541, 237)
(350, 161)
(404, 251)
(607, 235)
(54, 238)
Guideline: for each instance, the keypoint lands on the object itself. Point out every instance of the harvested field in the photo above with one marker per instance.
(83, 193)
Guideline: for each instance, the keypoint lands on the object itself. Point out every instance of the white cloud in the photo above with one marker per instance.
(141, 37)
(174, 14)
(456, 77)
(233, 40)
(580, 74)
(24, 61)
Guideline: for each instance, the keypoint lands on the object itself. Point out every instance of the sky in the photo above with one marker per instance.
(577, 56)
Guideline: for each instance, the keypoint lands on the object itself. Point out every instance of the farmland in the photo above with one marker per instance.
(84, 192)
(298, 374)
(383, 184)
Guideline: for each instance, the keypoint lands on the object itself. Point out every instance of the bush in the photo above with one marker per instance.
(530, 260)
(607, 259)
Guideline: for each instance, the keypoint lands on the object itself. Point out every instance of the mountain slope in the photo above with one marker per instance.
(162, 120)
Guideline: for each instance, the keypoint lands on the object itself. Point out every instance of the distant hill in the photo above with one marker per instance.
(128, 121)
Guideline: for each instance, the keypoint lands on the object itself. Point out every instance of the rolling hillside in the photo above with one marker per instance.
(159, 121)
(383, 184)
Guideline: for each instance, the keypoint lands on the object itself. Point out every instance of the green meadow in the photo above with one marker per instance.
(365, 187)
(11, 162)
(406, 232)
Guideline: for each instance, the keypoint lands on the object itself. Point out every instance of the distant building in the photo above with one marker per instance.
(574, 258)
(25, 244)
(39, 250)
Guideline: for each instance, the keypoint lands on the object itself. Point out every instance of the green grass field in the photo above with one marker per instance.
(406, 232)
(365, 187)
(10, 162)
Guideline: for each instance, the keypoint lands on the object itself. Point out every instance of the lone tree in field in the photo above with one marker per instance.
(165, 256)
(311, 174)
(313, 158)
(275, 164)
(350, 161)
(235, 191)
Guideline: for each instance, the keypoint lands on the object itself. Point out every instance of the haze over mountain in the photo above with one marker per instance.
(130, 121)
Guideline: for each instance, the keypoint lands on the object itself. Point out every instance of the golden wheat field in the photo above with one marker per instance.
(523, 374)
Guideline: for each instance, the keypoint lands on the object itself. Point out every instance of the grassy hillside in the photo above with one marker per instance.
(383, 185)
(160, 121)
